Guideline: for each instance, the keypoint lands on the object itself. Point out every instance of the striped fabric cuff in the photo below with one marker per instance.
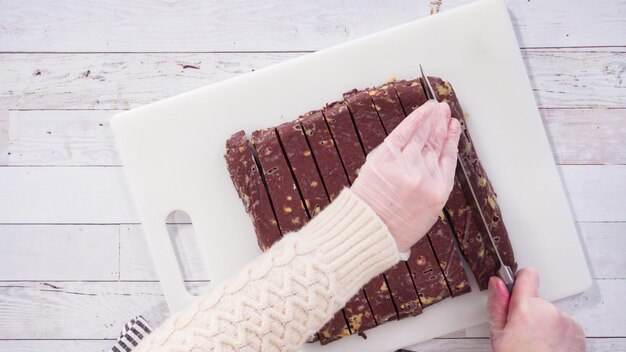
(133, 332)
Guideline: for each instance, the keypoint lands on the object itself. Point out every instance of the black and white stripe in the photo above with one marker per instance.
(133, 332)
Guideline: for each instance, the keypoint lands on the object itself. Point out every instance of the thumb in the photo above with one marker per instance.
(497, 304)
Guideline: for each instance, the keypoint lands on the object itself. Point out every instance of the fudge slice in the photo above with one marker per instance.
(403, 291)
(411, 94)
(365, 117)
(448, 257)
(427, 276)
(325, 153)
(357, 309)
(484, 192)
(388, 106)
(304, 169)
(342, 130)
(247, 180)
(303, 166)
(282, 188)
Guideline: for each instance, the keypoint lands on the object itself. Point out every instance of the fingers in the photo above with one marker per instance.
(497, 304)
(449, 152)
(419, 120)
(526, 286)
(439, 132)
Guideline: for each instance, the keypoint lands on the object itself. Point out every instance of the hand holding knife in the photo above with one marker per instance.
(504, 271)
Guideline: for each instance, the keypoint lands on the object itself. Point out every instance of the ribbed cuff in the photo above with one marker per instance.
(353, 242)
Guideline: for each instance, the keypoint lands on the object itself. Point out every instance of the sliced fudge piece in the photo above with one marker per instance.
(411, 94)
(483, 188)
(282, 188)
(342, 130)
(448, 257)
(303, 166)
(247, 180)
(359, 314)
(325, 153)
(427, 276)
(365, 117)
(402, 290)
(304, 169)
(357, 309)
(473, 247)
(388, 106)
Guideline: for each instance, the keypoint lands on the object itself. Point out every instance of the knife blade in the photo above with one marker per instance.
(504, 272)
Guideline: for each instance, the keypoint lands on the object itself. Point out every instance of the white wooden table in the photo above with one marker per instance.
(73, 262)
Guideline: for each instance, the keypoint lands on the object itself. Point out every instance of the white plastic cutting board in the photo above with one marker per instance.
(173, 150)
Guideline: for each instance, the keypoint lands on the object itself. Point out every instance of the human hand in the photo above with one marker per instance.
(523, 321)
(407, 179)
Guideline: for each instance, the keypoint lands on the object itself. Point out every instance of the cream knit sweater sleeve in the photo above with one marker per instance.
(285, 295)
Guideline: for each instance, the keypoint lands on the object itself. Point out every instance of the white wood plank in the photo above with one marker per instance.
(90, 252)
(564, 78)
(83, 137)
(115, 81)
(587, 136)
(56, 345)
(44, 252)
(274, 25)
(561, 78)
(100, 195)
(96, 310)
(57, 137)
(437, 345)
(596, 193)
(604, 244)
(138, 264)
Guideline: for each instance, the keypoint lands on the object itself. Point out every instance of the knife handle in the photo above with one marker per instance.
(506, 274)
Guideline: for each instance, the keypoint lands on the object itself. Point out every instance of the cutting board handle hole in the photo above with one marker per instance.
(183, 239)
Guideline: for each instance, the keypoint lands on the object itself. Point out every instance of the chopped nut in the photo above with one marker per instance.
(295, 220)
(482, 182)
(307, 153)
(287, 209)
(492, 202)
(313, 183)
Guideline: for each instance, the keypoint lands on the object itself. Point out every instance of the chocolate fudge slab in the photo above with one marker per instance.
(247, 180)
(484, 191)
(357, 311)
(411, 94)
(444, 247)
(303, 166)
(402, 290)
(283, 191)
(366, 120)
(325, 153)
(388, 106)
(427, 277)
(344, 134)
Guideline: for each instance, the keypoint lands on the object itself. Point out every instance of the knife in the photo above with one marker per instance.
(504, 271)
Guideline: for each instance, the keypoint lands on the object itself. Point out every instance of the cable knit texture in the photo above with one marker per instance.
(285, 295)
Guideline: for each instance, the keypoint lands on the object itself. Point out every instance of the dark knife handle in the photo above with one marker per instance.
(506, 274)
